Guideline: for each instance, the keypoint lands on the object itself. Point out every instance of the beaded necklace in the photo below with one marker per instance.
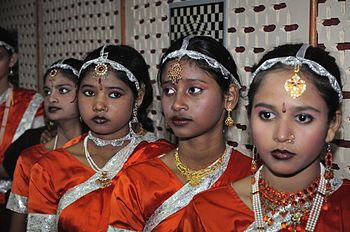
(290, 211)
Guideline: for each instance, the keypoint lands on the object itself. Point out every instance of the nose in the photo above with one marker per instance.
(52, 97)
(100, 104)
(283, 133)
(179, 101)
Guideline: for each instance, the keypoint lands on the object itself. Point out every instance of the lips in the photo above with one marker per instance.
(53, 109)
(282, 154)
(99, 120)
(180, 121)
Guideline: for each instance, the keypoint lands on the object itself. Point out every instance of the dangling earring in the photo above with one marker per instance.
(329, 162)
(229, 121)
(254, 164)
(11, 73)
(135, 124)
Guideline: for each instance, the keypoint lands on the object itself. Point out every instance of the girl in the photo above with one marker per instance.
(199, 83)
(292, 127)
(61, 108)
(20, 109)
(70, 188)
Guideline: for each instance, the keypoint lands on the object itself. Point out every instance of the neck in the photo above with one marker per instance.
(4, 85)
(200, 154)
(67, 131)
(295, 182)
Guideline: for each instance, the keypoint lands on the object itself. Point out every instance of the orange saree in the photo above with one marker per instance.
(64, 195)
(222, 210)
(144, 192)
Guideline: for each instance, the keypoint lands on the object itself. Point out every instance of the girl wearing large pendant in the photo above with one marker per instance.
(75, 184)
(199, 84)
(294, 111)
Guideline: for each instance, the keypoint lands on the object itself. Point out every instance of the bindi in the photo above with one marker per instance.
(284, 110)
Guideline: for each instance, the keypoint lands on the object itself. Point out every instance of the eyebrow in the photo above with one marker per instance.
(298, 108)
(187, 80)
(107, 87)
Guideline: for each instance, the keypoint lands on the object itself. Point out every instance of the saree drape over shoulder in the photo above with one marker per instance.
(222, 210)
(149, 196)
(64, 195)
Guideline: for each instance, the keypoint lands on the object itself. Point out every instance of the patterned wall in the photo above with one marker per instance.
(20, 16)
(71, 28)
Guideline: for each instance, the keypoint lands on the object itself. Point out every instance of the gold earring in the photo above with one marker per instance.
(229, 121)
(254, 164)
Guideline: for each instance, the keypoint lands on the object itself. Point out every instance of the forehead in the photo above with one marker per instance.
(111, 79)
(272, 88)
(59, 78)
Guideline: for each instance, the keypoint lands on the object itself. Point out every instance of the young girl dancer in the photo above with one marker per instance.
(70, 188)
(292, 128)
(199, 84)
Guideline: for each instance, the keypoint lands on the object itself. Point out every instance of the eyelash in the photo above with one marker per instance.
(308, 118)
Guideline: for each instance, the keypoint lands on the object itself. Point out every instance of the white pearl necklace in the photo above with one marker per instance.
(103, 180)
(315, 210)
(114, 142)
(55, 143)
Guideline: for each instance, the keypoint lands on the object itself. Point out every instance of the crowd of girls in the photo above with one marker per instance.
(103, 169)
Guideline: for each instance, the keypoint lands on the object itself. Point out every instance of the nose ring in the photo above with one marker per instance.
(291, 139)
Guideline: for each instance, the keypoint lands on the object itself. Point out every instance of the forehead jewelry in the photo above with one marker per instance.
(101, 71)
(175, 70)
(52, 75)
(295, 86)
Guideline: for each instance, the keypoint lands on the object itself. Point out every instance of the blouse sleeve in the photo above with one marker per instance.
(126, 210)
(43, 201)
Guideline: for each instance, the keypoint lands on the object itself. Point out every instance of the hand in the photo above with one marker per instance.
(47, 135)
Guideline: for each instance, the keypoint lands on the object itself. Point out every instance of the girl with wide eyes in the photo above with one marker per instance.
(199, 83)
(70, 188)
(61, 110)
(292, 128)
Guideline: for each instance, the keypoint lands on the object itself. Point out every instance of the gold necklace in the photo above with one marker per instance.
(195, 177)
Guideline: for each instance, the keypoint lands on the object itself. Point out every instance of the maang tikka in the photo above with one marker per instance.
(295, 86)
(174, 73)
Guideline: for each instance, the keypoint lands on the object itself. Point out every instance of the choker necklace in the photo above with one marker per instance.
(114, 142)
(289, 211)
(103, 180)
(195, 177)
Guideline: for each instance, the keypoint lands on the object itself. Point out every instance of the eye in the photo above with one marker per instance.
(63, 90)
(194, 90)
(47, 92)
(168, 91)
(115, 94)
(304, 118)
(266, 115)
(88, 93)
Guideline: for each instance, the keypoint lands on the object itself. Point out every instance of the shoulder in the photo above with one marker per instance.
(26, 93)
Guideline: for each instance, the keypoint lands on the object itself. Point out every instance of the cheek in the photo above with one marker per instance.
(166, 105)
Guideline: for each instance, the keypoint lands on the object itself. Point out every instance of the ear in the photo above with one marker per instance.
(141, 95)
(13, 59)
(333, 127)
(231, 97)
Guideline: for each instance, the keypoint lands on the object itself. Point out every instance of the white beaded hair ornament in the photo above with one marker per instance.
(101, 68)
(175, 70)
(295, 86)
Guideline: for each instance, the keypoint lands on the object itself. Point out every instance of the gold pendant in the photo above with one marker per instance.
(295, 86)
(103, 180)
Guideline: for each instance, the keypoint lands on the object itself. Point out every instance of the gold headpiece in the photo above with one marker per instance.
(101, 71)
(174, 73)
(52, 74)
(295, 86)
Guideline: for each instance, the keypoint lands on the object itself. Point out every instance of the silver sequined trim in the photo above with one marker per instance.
(17, 203)
(111, 229)
(7, 46)
(103, 59)
(113, 166)
(293, 61)
(28, 115)
(184, 195)
(41, 222)
(5, 185)
(199, 56)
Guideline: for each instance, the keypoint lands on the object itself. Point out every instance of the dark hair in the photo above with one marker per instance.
(74, 63)
(212, 48)
(318, 55)
(8, 38)
(135, 63)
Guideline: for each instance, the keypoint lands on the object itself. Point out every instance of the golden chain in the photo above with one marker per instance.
(195, 177)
